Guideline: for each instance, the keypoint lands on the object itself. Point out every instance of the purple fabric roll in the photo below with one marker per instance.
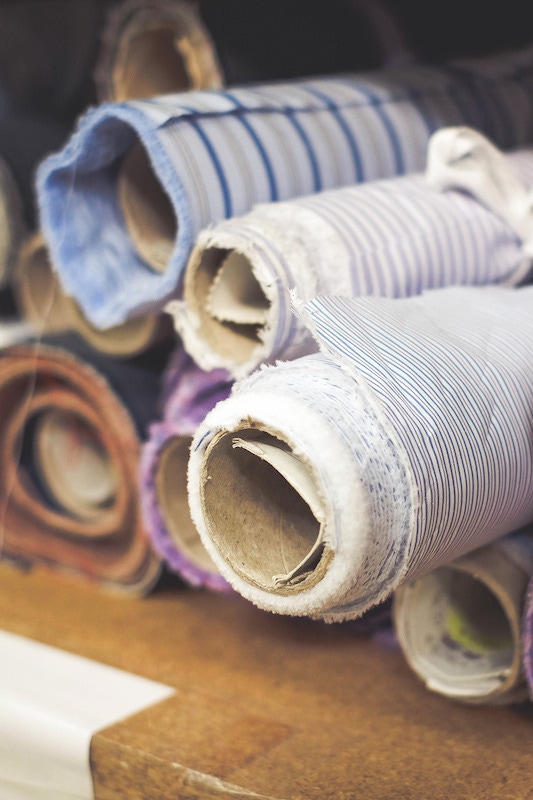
(528, 637)
(188, 394)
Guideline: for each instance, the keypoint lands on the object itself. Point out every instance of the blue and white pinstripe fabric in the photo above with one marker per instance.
(391, 238)
(420, 445)
(218, 153)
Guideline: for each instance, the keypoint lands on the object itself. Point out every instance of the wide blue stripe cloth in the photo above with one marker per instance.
(395, 237)
(410, 438)
(218, 153)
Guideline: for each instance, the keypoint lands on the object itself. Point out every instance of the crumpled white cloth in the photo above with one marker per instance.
(405, 444)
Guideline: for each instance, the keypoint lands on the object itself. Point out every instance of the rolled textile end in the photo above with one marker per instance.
(460, 628)
(363, 468)
(189, 394)
(284, 545)
(12, 226)
(153, 47)
(528, 637)
(212, 155)
(70, 449)
(42, 301)
(391, 238)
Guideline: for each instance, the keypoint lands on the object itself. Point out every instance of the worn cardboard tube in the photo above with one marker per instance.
(43, 302)
(171, 492)
(148, 213)
(154, 48)
(277, 501)
(74, 464)
(460, 628)
(228, 301)
(149, 64)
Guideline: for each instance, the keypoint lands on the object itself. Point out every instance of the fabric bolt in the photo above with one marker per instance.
(467, 220)
(152, 47)
(188, 394)
(404, 445)
(528, 637)
(137, 181)
(71, 428)
(42, 302)
(11, 223)
(460, 627)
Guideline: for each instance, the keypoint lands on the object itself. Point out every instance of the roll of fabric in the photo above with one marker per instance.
(528, 637)
(460, 627)
(42, 302)
(152, 47)
(11, 223)
(189, 394)
(71, 431)
(394, 237)
(403, 446)
(137, 182)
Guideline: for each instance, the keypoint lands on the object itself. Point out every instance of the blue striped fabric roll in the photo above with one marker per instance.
(407, 443)
(392, 238)
(215, 154)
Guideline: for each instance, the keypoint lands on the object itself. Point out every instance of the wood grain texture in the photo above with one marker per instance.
(265, 706)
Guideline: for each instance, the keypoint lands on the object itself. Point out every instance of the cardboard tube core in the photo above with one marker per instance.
(171, 493)
(39, 290)
(150, 63)
(148, 212)
(262, 510)
(459, 635)
(232, 308)
(73, 464)
(44, 302)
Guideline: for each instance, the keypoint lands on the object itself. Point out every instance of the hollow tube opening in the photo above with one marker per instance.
(232, 308)
(148, 214)
(150, 63)
(262, 510)
(70, 463)
(171, 493)
(457, 633)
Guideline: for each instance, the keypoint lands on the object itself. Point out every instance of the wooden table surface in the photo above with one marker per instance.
(267, 706)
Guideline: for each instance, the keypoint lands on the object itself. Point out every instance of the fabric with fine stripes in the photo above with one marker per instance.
(218, 153)
(415, 423)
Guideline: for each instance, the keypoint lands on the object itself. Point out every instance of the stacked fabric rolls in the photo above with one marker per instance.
(281, 336)
(71, 429)
(139, 180)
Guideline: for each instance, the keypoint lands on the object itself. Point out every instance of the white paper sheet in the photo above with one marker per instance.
(51, 704)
